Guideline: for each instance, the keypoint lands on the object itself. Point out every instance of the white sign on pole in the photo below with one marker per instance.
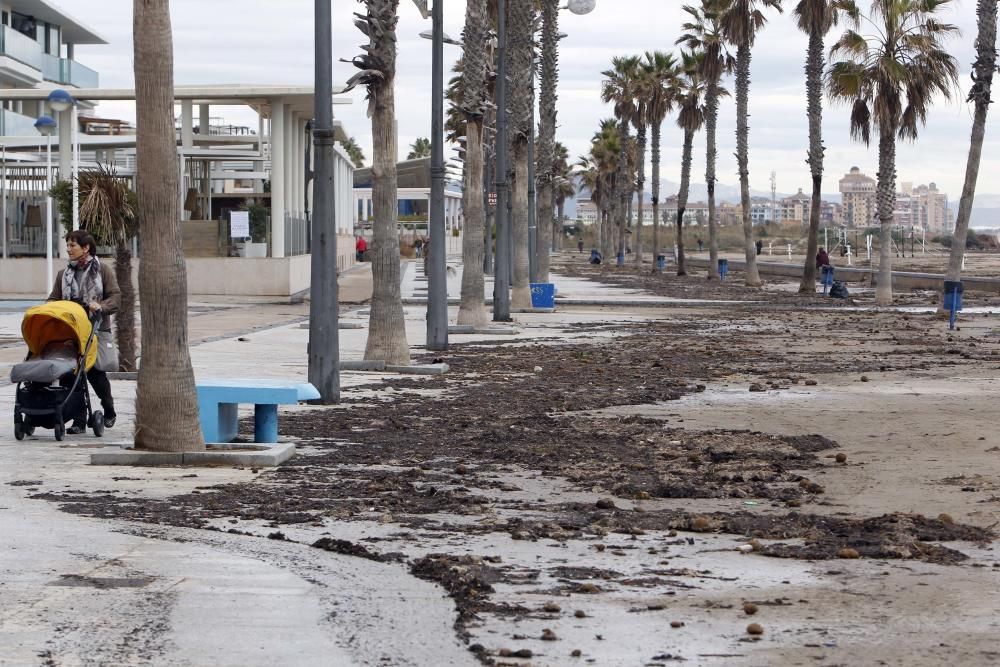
(239, 224)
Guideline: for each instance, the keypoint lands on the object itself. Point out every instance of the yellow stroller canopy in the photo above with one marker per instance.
(55, 322)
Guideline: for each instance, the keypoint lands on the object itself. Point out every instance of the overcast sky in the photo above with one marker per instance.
(266, 42)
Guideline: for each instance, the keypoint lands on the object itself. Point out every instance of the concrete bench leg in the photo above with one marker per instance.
(228, 425)
(265, 423)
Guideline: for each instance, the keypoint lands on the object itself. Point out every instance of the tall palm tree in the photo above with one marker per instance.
(420, 148)
(661, 78)
(890, 78)
(474, 98)
(703, 34)
(386, 327)
(690, 99)
(741, 22)
(644, 84)
(564, 188)
(166, 406)
(597, 172)
(620, 87)
(982, 81)
(815, 18)
(545, 154)
(521, 54)
(354, 151)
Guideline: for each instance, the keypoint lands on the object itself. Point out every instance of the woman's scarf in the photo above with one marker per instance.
(82, 281)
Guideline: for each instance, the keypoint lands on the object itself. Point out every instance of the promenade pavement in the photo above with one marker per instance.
(83, 591)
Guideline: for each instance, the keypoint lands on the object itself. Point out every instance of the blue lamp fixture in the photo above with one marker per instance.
(60, 100)
(46, 126)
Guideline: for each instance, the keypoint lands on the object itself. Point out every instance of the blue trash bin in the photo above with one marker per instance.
(543, 295)
(621, 259)
(661, 262)
(723, 268)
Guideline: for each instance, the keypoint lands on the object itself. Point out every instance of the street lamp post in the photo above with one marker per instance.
(437, 293)
(501, 268)
(46, 126)
(59, 100)
(324, 343)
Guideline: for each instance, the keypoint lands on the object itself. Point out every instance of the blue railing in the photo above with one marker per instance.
(20, 47)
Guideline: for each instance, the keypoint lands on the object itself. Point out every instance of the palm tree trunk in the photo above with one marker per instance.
(166, 401)
(472, 311)
(814, 94)
(386, 326)
(641, 182)
(983, 69)
(549, 78)
(125, 318)
(682, 198)
(885, 198)
(607, 234)
(743, 158)
(657, 129)
(558, 230)
(520, 296)
(711, 121)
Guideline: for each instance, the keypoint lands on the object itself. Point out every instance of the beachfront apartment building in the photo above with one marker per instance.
(857, 199)
(924, 207)
(37, 41)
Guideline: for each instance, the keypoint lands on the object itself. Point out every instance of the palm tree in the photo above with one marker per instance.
(386, 327)
(474, 98)
(645, 84)
(620, 87)
(354, 151)
(548, 81)
(661, 72)
(890, 78)
(564, 188)
(107, 211)
(420, 148)
(166, 406)
(741, 22)
(521, 54)
(704, 35)
(815, 18)
(690, 98)
(597, 172)
(982, 81)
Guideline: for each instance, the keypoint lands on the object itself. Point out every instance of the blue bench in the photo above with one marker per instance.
(219, 399)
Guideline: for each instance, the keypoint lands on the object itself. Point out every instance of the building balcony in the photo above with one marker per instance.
(23, 60)
(16, 125)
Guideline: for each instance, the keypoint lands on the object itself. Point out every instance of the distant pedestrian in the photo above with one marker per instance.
(360, 247)
(595, 256)
(701, 245)
(822, 259)
(759, 245)
(418, 245)
(579, 245)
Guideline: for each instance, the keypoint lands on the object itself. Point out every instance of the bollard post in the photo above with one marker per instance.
(953, 300)
(770, 247)
(849, 255)
(789, 251)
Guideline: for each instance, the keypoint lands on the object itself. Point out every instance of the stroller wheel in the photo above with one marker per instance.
(97, 423)
(18, 427)
(60, 430)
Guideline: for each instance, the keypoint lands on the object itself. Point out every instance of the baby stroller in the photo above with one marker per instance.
(51, 381)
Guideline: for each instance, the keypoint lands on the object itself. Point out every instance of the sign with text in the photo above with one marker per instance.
(239, 224)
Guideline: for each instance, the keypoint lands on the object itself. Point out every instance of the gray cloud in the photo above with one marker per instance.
(258, 41)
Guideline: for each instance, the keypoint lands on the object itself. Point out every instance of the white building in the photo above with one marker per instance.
(273, 153)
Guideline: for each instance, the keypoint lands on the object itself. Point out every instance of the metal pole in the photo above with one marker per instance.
(501, 268)
(48, 212)
(437, 286)
(490, 217)
(533, 249)
(324, 344)
(76, 171)
(3, 205)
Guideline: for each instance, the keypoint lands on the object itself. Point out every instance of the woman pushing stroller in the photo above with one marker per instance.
(94, 286)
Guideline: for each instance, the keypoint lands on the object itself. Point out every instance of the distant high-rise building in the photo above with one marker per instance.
(857, 193)
(923, 207)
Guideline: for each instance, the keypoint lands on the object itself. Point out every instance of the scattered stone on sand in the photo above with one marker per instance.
(864, 378)
(945, 518)
(605, 504)
(548, 635)
(749, 608)
(677, 624)
(579, 613)
(552, 608)
(576, 653)
(755, 387)
(841, 458)
(848, 552)
(755, 629)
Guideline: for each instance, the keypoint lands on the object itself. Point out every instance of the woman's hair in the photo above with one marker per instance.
(84, 240)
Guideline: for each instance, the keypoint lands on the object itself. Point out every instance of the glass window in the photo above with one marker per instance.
(52, 44)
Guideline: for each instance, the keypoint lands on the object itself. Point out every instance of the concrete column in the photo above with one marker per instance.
(187, 122)
(69, 51)
(277, 140)
(299, 156)
(65, 121)
(204, 120)
(290, 121)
